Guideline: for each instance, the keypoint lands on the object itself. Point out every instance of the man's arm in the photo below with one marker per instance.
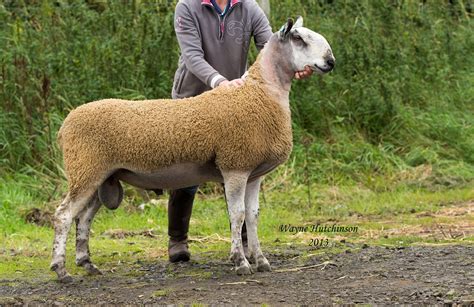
(189, 40)
(262, 31)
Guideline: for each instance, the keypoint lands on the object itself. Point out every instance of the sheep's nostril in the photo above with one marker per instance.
(330, 63)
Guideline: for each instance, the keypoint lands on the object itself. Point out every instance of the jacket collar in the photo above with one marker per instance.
(208, 2)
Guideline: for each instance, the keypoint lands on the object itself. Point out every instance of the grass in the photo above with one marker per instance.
(120, 238)
(161, 293)
(399, 98)
(385, 142)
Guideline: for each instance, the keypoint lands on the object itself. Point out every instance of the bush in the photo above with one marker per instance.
(401, 94)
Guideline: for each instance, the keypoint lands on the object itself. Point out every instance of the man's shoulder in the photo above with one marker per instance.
(250, 5)
(252, 2)
(199, 2)
(190, 3)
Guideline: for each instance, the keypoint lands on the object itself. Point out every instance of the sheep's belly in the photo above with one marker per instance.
(172, 177)
(183, 175)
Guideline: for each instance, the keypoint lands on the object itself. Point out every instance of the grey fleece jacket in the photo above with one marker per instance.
(213, 48)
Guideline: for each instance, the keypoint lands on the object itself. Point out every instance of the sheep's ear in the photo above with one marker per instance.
(298, 22)
(285, 29)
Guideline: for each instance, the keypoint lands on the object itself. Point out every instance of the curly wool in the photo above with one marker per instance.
(236, 128)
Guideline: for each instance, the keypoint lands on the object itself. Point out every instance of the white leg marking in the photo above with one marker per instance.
(83, 224)
(235, 182)
(63, 218)
(251, 221)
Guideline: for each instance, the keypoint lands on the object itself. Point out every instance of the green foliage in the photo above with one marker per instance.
(401, 95)
(398, 218)
(57, 55)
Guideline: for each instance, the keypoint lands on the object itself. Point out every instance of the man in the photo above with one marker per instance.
(214, 38)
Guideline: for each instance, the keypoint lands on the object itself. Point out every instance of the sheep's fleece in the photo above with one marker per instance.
(235, 128)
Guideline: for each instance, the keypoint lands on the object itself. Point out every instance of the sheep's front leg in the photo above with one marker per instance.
(251, 221)
(83, 225)
(63, 218)
(235, 182)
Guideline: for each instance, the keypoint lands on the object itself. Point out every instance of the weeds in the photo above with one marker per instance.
(399, 98)
(388, 135)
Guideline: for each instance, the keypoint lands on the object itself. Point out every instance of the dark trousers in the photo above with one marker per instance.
(180, 207)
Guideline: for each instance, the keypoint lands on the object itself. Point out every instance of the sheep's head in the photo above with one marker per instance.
(307, 47)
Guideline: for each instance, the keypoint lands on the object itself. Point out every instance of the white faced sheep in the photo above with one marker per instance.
(229, 135)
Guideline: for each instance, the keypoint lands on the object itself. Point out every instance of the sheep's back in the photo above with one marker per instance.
(238, 128)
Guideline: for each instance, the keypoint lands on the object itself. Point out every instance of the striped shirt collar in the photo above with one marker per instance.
(218, 9)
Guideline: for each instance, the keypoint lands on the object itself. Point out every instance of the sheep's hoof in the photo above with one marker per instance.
(91, 269)
(244, 269)
(66, 279)
(263, 265)
(60, 270)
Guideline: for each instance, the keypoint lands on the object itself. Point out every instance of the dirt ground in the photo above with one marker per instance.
(421, 274)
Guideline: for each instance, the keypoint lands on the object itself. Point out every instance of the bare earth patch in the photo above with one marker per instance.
(418, 274)
(455, 222)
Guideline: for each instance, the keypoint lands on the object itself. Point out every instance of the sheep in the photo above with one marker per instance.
(229, 135)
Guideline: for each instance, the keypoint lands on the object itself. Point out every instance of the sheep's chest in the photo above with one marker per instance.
(266, 148)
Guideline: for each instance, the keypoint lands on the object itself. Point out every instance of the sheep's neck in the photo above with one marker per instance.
(276, 72)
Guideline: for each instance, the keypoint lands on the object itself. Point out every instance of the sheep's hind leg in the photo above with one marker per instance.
(65, 213)
(83, 224)
(251, 221)
(235, 182)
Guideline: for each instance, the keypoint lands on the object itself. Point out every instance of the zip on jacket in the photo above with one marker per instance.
(221, 18)
(215, 50)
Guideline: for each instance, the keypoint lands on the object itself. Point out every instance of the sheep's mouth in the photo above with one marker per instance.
(316, 68)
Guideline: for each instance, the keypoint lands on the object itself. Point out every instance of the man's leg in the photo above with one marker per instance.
(180, 206)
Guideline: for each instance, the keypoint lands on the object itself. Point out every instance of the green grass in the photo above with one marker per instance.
(394, 218)
(399, 98)
(161, 293)
(384, 142)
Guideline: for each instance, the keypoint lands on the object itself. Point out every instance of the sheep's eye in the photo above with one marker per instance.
(298, 39)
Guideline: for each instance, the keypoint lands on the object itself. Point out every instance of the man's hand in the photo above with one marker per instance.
(233, 83)
(303, 74)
